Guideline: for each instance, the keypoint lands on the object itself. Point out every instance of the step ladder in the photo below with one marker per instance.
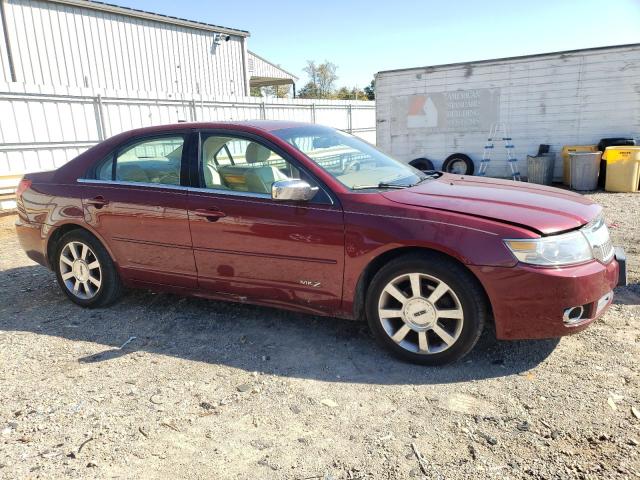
(499, 131)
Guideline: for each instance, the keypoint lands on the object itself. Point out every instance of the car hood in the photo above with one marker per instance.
(546, 210)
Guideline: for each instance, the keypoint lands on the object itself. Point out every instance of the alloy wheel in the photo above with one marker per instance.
(421, 313)
(80, 270)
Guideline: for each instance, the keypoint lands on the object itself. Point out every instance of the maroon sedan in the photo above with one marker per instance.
(311, 219)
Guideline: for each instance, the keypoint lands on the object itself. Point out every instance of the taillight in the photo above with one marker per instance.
(22, 186)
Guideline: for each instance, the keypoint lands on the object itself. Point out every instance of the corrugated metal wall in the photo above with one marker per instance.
(83, 75)
(556, 99)
(40, 131)
(56, 44)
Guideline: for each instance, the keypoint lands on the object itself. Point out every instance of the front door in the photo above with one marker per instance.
(135, 201)
(251, 247)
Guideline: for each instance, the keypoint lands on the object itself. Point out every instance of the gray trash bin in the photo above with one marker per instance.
(584, 168)
(540, 169)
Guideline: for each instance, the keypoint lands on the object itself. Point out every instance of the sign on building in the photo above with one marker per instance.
(471, 110)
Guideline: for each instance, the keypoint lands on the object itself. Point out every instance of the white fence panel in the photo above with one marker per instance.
(44, 127)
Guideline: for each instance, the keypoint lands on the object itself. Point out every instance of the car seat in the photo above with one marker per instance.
(261, 179)
(256, 153)
(212, 178)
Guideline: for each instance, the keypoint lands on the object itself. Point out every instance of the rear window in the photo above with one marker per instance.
(153, 160)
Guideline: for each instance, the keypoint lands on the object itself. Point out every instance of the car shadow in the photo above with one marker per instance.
(629, 295)
(241, 336)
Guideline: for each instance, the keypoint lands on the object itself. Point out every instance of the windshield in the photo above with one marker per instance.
(351, 161)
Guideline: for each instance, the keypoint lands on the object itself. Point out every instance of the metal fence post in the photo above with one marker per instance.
(194, 113)
(263, 111)
(313, 113)
(349, 119)
(99, 114)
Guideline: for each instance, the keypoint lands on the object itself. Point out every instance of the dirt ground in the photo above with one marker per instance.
(160, 386)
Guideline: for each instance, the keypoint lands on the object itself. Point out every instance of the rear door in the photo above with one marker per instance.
(136, 199)
(249, 246)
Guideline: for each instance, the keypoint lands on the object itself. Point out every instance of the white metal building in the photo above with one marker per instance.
(564, 98)
(264, 73)
(74, 72)
(80, 43)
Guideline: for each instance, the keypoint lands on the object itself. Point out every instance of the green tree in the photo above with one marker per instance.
(370, 90)
(310, 90)
(278, 91)
(344, 93)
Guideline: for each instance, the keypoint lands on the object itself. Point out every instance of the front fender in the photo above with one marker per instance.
(470, 240)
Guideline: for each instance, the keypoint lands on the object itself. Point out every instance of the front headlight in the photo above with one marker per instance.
(566, 249)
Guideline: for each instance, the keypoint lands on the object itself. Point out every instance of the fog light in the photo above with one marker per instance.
(573, 315)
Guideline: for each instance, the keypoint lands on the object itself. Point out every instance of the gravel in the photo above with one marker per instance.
(160, 386)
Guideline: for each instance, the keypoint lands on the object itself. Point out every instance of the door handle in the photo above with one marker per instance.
(98, 201)
(211, 214)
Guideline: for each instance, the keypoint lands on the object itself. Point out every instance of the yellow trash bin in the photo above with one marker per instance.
(623, 169)
(566, 150)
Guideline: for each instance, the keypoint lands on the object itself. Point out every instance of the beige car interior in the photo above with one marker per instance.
(248, 172)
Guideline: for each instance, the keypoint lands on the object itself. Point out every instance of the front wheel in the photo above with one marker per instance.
(85, 271)
(426, 309)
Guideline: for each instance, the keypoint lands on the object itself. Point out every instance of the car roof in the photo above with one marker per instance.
(85, 159)
(263, 125)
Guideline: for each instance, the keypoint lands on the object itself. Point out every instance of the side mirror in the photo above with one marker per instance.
(293, 190)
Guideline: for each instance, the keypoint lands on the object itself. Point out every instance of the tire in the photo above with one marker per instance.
(446, 339)
(423, 164)
(85, 271)
(459, 164)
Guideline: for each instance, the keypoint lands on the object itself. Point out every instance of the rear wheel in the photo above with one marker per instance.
(85, 271)
(426, 309)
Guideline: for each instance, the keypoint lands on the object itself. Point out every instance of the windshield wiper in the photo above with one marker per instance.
(394, 186)
(425, 178)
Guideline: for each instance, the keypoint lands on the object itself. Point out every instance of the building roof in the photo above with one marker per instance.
(278, 67)
(132, 12)
(264, 73)
(520, 57)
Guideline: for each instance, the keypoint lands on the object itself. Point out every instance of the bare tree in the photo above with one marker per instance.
(322, 79)
(312, 71)
(326, 78)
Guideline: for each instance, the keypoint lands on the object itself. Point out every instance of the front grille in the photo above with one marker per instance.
(603, 252)
(597, 234)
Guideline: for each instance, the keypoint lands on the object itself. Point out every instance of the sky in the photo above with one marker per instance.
(364, 37)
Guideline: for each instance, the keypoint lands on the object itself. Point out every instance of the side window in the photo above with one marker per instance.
(242, 165)
(104, 171)
(155, 160)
